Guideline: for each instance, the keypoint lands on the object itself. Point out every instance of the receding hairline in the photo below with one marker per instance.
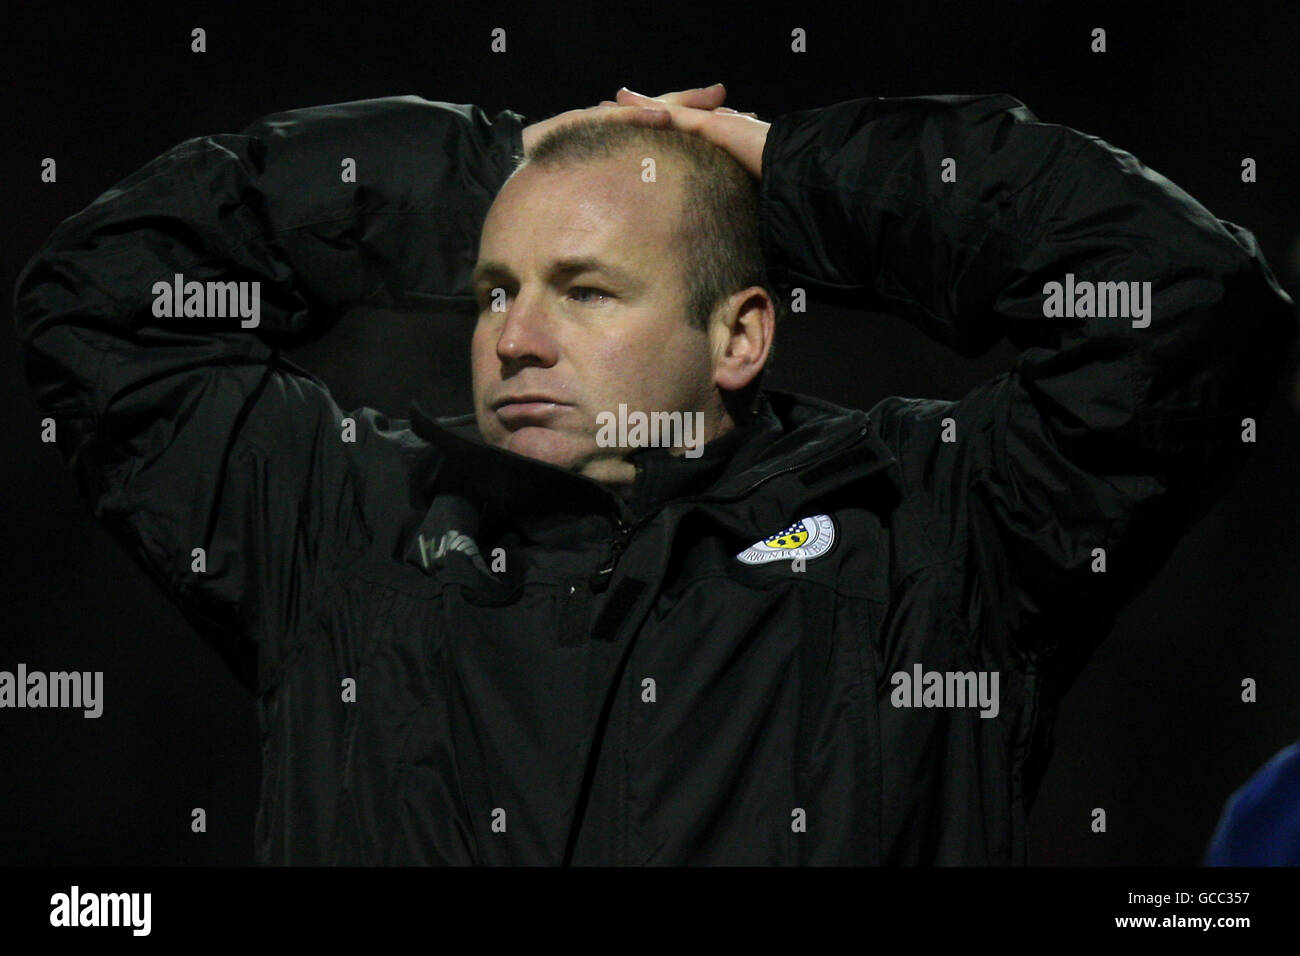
(598, 140)
(716, 220)
(566, 163)
(630, 153)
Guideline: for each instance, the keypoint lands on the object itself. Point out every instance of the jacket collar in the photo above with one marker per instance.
(798, 449)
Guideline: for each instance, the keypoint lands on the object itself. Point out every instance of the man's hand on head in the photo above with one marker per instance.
(743, 135)
(653, 112)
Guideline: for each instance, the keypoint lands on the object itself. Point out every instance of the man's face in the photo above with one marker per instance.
(595, 313)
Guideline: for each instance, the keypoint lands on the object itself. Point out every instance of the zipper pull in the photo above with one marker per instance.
(600, 580)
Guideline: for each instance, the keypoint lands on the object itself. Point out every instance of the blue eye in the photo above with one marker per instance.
(577, 289)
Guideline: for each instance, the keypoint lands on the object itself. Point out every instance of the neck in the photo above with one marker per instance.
(619, 474)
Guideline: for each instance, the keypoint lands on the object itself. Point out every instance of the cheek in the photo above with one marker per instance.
(615, 370)
(654, 372)
(681, 362)
(481, 353)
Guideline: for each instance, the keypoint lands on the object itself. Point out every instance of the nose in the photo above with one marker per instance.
(526, 336)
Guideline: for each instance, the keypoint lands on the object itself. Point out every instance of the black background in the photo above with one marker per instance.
(1154, 730)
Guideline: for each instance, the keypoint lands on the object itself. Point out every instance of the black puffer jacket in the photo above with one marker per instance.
(464, 656)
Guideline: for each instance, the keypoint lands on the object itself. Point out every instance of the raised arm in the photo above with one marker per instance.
(191, 432)
(979, 223)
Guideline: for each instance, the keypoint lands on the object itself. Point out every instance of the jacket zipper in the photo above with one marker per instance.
(600, 580)
(830, 453)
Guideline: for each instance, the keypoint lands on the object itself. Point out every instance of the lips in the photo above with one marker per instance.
(526, 399)
(519, 410)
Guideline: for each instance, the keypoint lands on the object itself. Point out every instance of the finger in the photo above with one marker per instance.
(648, 116)
(701, 97)
(688, 119)
(652, 115)
(655, 112)
(625, 95)
(628, 97)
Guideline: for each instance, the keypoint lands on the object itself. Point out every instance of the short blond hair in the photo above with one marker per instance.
(720, 205)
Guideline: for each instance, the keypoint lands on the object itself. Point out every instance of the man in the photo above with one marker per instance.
(580, 217)
(523, 636)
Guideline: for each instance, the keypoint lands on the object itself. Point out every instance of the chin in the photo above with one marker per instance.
(544, 444)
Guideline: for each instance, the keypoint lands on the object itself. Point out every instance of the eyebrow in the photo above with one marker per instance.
(574, 265)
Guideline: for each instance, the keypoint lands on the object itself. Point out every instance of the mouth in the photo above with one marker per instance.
(527, 409)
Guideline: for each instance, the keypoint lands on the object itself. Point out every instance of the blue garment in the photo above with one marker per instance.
(1260, 825)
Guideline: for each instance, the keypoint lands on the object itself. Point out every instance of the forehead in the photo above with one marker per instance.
(601, 206)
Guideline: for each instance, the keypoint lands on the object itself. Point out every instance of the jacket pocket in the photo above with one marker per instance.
(837, 768)
(429, 825)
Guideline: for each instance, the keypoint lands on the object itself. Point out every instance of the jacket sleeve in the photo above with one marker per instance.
(1109, 433)
(192, 432)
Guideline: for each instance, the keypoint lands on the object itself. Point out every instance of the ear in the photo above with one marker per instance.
(740, 337)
